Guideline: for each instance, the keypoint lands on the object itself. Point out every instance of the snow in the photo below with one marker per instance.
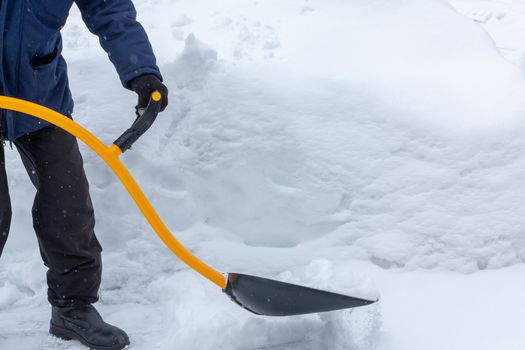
(363, 147)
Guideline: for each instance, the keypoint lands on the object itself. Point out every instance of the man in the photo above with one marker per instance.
(32, 68)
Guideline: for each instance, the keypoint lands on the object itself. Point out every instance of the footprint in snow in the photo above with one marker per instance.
(181, 21)
(306, 10)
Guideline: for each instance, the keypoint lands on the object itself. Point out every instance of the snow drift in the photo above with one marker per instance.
(318, 142)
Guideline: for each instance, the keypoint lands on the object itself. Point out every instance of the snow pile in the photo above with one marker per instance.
(377, 154)
(322, 143)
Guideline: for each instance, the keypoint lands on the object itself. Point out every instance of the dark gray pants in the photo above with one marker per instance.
(62, 215)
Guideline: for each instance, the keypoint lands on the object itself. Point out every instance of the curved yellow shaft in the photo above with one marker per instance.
(110, 156)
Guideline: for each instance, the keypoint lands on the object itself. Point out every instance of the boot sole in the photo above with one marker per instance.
(67, 334)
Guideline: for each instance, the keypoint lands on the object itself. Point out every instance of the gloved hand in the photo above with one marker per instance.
(144, 85)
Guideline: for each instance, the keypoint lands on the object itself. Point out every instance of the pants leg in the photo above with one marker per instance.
(5, 203)
(63, 216)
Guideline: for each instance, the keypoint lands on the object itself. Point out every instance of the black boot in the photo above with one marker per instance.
(87, 326)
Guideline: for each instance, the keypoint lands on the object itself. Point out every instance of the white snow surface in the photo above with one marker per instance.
(367, 147)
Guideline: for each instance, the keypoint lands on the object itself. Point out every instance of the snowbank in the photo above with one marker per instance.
(316, 142)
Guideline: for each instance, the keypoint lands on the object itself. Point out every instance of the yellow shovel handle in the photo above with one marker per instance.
(110, 156)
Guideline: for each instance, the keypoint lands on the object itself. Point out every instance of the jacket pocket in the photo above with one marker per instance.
(44, 76)
(40, 61)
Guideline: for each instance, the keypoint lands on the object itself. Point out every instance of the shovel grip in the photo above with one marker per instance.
(141, 124)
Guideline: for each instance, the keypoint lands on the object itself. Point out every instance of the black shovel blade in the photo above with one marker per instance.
(268, 297)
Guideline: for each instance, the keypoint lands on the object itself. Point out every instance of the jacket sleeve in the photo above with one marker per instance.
(121, 36)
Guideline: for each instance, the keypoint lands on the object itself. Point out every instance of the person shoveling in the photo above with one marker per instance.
(33, 69)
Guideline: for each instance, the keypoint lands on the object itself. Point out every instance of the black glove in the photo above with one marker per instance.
(144, 85)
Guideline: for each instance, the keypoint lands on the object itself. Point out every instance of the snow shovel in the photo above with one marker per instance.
(256, 294)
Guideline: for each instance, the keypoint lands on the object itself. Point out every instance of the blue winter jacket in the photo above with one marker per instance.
(32, 67)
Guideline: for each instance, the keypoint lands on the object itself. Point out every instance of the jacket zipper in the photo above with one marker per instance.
(10, 120)
(3, 120)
